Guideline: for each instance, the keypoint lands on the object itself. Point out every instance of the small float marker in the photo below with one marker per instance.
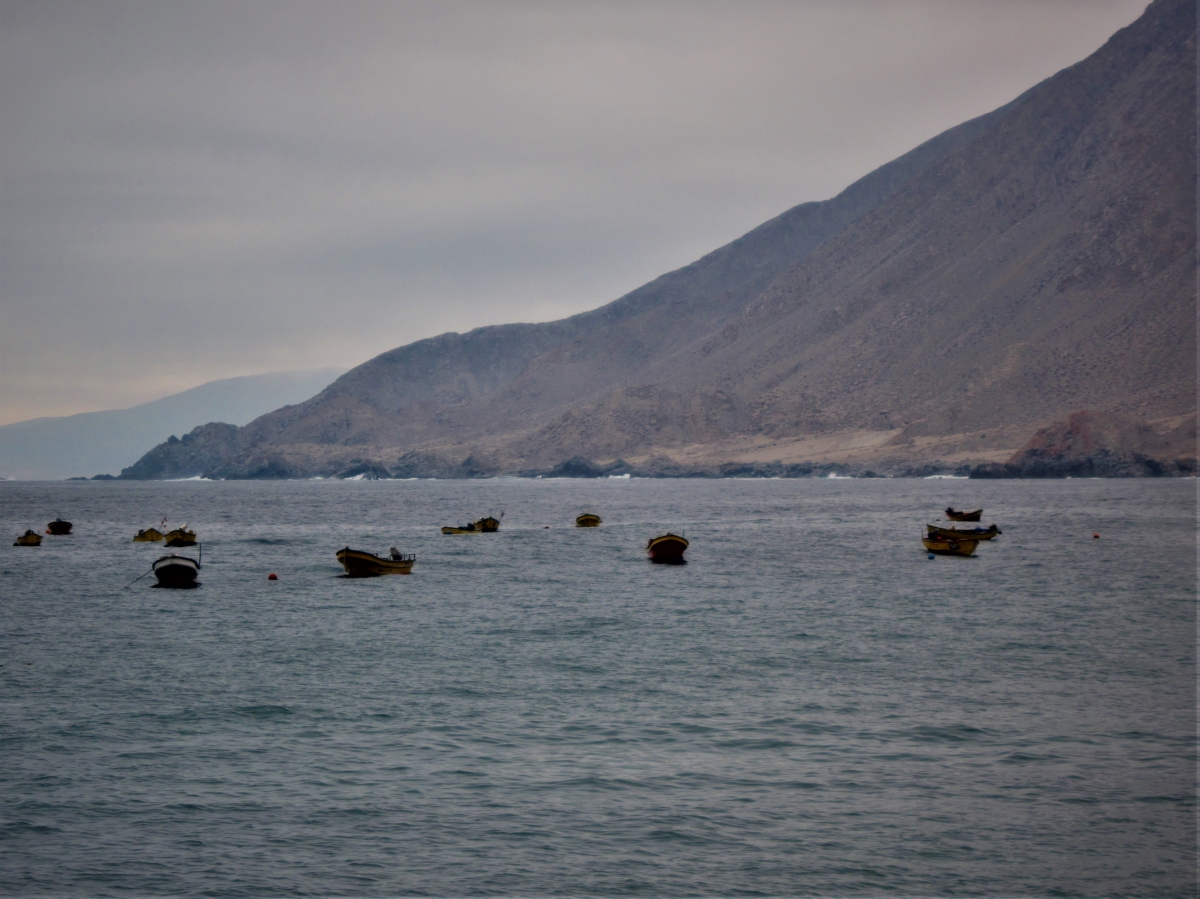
(272, 576)
(931, 555)
(545, 527)
(1095, 536)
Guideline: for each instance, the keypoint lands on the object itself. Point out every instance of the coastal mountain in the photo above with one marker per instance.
(92, 442)
(1021, 267)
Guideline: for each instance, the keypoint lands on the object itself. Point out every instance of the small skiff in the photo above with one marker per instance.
(587, 520)
(58, 528)
(180, 537)
(962, 533)
(667, 549)
(150, 535)
(364, 564)
(488, 525)
(963, 516)
(29, 538)
(176, 571)
(950, 547)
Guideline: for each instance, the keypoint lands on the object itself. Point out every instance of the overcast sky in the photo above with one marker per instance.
(197, 190)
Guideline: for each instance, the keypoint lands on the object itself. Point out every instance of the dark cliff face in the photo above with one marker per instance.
(1025, 265)
(200, 451)
(1093, 444)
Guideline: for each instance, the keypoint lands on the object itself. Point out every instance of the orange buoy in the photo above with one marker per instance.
(272, 576)
(1095, 536)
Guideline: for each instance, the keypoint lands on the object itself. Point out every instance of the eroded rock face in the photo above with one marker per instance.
(201, 450)
(1091, 444)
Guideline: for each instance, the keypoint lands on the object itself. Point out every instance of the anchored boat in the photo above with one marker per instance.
(180, 537)
(176, 571)
(58, 528)
(963, 533)
(963, 516)
(667, 549)
(29, 538)
(150, 535)
(587, 520)
(487, 525)
(364, 564)
(946, 547)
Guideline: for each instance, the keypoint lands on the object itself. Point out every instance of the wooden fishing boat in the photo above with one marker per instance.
(963, 516)
(176, 571)
(364, 564)
(950, 547)
(587, 520)
(667, 549)
(180, 537)
(963, 533)
(488, 525)
(29, 538)
(58, 528)
(150, 535)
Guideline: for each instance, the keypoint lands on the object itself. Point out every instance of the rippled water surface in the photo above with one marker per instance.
(809, 706)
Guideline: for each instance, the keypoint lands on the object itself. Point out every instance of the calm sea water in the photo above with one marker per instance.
(809, 707)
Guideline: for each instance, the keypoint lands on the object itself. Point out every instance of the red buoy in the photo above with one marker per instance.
(272, 576)
(1095, 536)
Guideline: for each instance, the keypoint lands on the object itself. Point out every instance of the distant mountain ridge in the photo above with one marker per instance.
(1018, 268)
(105, 442)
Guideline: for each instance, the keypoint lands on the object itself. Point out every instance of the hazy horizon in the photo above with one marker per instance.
(203, 191)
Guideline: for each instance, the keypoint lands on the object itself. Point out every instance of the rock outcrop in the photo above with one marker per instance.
(1090, 444)
(201, 450)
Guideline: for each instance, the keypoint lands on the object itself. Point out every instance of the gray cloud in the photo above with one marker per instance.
(199, 190)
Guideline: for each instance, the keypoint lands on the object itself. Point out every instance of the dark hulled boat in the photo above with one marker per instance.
(364, 564)
(963, 516)
(667, 549)
(176, 571)
(587, 520)
(58, 528)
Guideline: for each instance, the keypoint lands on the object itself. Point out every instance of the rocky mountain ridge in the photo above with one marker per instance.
(1025, 266)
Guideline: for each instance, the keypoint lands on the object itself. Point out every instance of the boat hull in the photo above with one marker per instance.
(152, 535)
(179, 537)
(667, 549)
(587, 520)
(466, 530)
(28, 539)
(950, 547)
(964, 516)
(58, 528)
(957, 534)
(176, 571)
(364, 564)
(487, 525)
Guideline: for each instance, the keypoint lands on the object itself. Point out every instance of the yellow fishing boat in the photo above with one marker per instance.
(587, 520)
(29, 538)
(962, 533)
(950, 547)
(150, 535)
(364, 564)
(180, 537)
(487, 525)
